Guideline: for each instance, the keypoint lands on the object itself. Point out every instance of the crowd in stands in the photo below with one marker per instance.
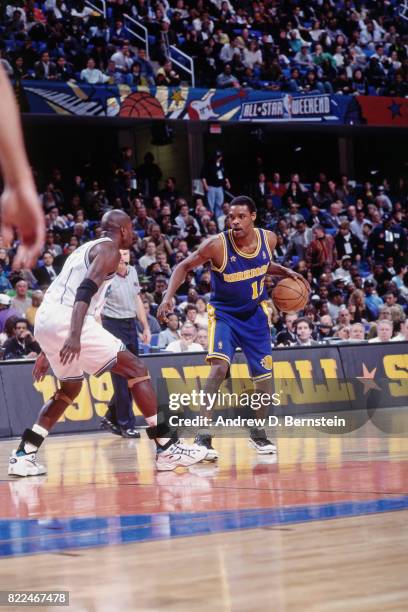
(333, 46)
(348, 238)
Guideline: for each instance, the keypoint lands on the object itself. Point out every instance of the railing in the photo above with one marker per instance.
(97, 5)
(138, 31)
(182, 61)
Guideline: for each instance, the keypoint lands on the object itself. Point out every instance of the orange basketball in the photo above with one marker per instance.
(290, 295)
(141, 105)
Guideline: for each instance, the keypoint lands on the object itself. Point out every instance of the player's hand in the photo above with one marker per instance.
(20, 209)
(40, 367)
(299, 277)
(70, 350)
(146, 335)
(165, 307)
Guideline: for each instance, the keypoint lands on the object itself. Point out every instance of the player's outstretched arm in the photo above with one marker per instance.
(104, 259)
(210, 250)
(20, 206)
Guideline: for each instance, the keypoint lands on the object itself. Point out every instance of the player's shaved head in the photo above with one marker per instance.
(117, 225)
(114, 220)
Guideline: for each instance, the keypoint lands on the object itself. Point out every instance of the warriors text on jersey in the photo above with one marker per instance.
(238, 285)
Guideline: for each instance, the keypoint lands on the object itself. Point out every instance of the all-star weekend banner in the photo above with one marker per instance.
(186, 103)
(361, 383)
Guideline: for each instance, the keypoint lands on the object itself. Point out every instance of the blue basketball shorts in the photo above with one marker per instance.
(252, 334)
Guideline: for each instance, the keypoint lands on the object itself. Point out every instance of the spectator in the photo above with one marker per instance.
(303, 329)
(93, 75)
(226, 78)
(214, 180)
(187, 343)
(21, 302)
(325, 328)
(402, 336)
(153, 323)
(202, 339)
(5, 284)
(45, 69)
(149, 257)
(123, 58)
(321, 251)
(287, 336)
(170, 334)
(357, 333)
(47, 273)
(6, 311)
(384, 331)
(22, 345)
(336, 301)
(149, 174)
(346, 243)
(201, 320)
(166, 75)
(36, 299)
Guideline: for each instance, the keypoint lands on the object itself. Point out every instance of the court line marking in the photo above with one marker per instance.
(94, 532)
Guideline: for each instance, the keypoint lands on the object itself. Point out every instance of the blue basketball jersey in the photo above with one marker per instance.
(237, 287)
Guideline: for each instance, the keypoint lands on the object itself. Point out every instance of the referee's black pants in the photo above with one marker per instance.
(120, 411)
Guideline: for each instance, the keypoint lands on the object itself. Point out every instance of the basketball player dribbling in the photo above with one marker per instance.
(240, 259)
(73, 342)
(19, 204)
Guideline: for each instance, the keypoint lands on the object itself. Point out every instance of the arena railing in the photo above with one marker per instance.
(174, 55)
(138, 31)
(97, 5)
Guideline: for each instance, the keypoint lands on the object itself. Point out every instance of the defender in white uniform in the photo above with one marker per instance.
(73, 342)
(99, 348)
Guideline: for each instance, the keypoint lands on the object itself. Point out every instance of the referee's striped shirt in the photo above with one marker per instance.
(121, 296)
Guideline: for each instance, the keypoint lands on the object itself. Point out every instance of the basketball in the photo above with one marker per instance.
(141, 105)
(290, 295)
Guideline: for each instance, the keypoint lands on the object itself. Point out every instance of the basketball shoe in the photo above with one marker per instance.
(25, 465)
(204, 440)
(259, 441)
(179, 454)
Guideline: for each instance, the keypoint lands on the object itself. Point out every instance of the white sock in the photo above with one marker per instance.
(152, 422)
(41, 431)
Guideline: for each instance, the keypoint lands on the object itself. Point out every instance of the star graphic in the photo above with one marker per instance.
(395, 109)
(367, 379)
(177, 96)
(233, 258)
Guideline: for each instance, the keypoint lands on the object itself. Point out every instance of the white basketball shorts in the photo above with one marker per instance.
(99, 348)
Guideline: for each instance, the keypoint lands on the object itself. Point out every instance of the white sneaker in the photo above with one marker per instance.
(179, 454)
(25, 465)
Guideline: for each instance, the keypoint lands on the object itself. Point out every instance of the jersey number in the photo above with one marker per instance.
(255, 292)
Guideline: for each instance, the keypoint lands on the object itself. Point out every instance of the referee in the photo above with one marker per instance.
(122, 306)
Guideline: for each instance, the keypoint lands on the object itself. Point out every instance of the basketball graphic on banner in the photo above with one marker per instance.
(141, 105)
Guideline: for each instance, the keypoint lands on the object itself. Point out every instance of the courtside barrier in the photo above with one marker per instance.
(319, 379)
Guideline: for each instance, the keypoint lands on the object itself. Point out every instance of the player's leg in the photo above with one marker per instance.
(119, 418)
(171, 453)
(218, 372)
(221, 349)
(23, 461)
(255, 341)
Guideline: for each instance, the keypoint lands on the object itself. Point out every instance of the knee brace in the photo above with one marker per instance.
(63, 397)
(135, 381)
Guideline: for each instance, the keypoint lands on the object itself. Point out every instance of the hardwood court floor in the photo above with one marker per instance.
(322, 527)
